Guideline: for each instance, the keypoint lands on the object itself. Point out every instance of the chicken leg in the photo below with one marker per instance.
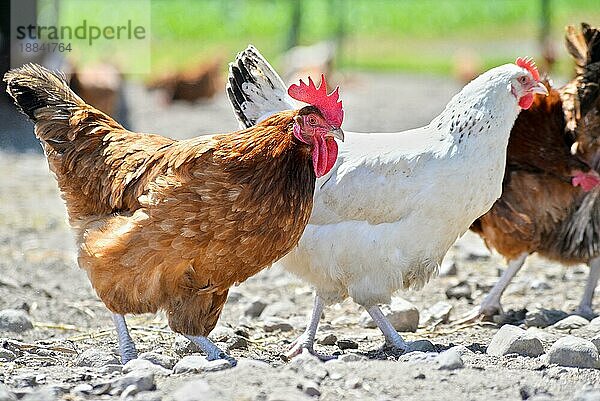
(306, 341)
(211, 350)
(585, 306)
(126, 344)
(491, 304)
(392, 338)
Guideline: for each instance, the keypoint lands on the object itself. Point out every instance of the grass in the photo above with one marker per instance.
(404, 35)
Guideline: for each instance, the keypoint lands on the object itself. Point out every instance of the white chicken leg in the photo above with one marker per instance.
(306, 341)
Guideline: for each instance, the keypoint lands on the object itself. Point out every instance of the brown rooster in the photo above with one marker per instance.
(171, 225)
(552, 151)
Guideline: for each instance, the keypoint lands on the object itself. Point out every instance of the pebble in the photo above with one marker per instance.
(538, 284)
(221, 334)
(596, 342)
(419, 357)
(351, 357)
(448, 268)
(281, 309)
(273, 324)
(5, 394)
(595, 324)
(237, 342)
(329, 339)
(458, 291)
(197, 364)
(96, 358)
(347, 344)
(82, 389)
(194, 390)
(574, 352)
(183, 346)
(309, 388)
(438, 312)
(6, 355)
(543, 318)
(145, 365)
(15, 320)
(403, 315)
(450, 360)
(514, 340)
(589, 394)
(422, 346)
(571, 322)
(255, 308)
(133, 382)
(165, 361)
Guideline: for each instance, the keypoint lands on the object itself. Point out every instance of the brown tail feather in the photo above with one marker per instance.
(59, 114)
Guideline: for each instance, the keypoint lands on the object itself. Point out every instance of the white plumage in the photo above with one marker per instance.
(394, 203)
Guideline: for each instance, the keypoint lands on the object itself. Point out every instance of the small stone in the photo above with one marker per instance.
(6, 355)
(574, 352)
(82, 389)
(422, 346)
(403, 315)
(450, 360)
(351, 357)
(347, 344)
(14, 320)
(183, 346)
(255, 308)
(419, 376)
(596, 342)
(438, 312)
(543, 318)
(514, 340)
(571, 322)
(458, 291)
(353, 382)
(5, 394)
(134, 382)
(595, 324)
(197, 364)
(145, 365)
(310, 388)
(540, 285)
(448, 268)
(237, 342)
(194, 390)
(329, 339)
(96, 358)
(221, 334)
(280, 309)
(419, 357)
(273, 324)
(588, 394)
(165, 361)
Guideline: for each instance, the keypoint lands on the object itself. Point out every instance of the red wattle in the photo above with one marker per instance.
(332, 152)
(319, 155)
(587, 181)
(526, 101)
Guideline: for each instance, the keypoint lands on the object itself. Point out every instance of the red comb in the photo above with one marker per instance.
(329, 105)
(529, 65)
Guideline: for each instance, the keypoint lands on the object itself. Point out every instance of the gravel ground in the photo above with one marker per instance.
(73, 330)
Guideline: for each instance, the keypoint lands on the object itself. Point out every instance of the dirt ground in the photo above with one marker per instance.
(39, 275)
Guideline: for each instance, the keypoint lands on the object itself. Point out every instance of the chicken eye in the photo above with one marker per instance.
(523, 80)
(312, 120)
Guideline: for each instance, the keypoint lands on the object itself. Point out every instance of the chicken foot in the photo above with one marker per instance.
(305, 342)
(392, 338)
(126, 344)
(491, 304)
(211, 350)
(585, 306)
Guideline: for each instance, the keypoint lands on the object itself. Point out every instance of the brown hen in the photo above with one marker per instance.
(171, 225)
(552, 152)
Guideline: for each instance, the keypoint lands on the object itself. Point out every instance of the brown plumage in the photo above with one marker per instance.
(541, 210)
(166, 224)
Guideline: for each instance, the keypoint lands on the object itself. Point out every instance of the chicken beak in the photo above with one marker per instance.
(540, 88)
(337, 133)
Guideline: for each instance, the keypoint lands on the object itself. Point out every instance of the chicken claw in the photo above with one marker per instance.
(211, 350)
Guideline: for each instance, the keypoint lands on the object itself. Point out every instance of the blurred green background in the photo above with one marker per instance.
(400, 35)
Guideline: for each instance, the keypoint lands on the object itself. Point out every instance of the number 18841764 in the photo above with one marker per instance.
(50, 47)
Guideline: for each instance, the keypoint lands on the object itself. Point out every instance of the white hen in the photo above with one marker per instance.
(394, 203)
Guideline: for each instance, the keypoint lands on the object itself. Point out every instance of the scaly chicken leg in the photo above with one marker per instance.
(392, 337)
(491, 305)
(306, 341)
(585, 306)
(126, 344)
